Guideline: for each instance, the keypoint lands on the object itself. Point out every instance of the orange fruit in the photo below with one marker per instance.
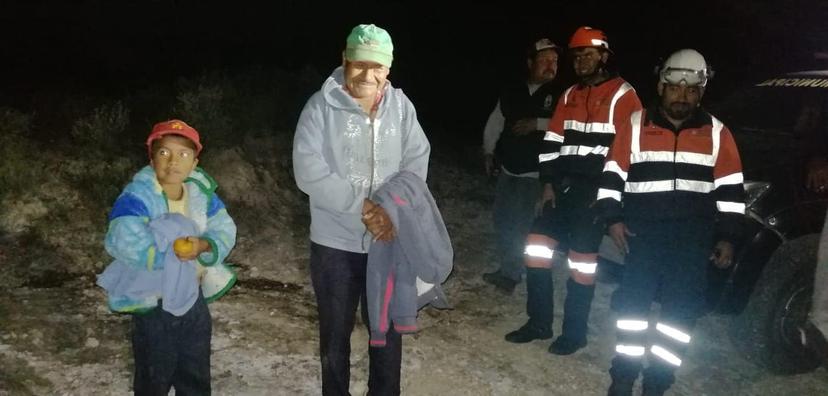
(182, 246)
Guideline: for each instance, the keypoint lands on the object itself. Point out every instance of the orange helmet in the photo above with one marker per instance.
(586, 36)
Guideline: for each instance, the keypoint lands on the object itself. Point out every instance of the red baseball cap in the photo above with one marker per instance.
(173, 127)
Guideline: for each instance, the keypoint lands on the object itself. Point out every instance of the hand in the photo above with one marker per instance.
(722, 255)
(377, 221)
(547, 196)
(197, 246)
(817, 179)
(525, 126)
(489, 165)
(619, 233)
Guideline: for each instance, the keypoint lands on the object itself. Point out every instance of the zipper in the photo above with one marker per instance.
(166, 200)
(371, 125)
(588, 104)
(675, 153)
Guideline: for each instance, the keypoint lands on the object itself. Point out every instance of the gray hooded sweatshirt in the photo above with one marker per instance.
(341, 157)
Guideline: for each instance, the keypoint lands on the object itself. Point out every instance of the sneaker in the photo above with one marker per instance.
(565, 346)
(527, 333)
(503, 283)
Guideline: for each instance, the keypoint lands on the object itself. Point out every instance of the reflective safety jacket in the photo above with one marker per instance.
(665, 173)
(583, 128)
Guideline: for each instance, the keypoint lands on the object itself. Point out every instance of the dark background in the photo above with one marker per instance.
(450, 61)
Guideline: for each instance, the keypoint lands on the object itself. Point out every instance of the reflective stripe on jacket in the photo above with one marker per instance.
(663, 172)
(583, 128)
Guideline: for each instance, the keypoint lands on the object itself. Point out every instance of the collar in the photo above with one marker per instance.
(698, 119)
(610, 76)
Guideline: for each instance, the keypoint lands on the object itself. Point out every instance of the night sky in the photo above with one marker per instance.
(450, 62)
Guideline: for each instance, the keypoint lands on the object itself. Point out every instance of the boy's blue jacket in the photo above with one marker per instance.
(132, 243)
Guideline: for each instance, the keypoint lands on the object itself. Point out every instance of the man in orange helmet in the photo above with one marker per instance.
(576, 144)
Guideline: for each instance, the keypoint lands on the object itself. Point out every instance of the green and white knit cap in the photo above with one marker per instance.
(369, 43)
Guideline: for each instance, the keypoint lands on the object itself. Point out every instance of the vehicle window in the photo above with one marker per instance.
(776, 126)
(797, 111)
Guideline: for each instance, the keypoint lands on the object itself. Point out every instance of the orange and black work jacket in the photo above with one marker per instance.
(666, 173)
(583, 128)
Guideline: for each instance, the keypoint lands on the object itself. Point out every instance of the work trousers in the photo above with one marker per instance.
(667, 261)
(573, 222)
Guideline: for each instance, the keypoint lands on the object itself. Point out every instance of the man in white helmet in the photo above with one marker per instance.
(677, 171)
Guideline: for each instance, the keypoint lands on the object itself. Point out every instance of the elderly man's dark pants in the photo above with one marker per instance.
(338, 279)
(172, 351)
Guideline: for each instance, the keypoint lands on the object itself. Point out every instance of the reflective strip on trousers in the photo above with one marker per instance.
(665, 355)
(586, 268)
(673, 333)
(538, 251)
(630, 350)
(631, 324)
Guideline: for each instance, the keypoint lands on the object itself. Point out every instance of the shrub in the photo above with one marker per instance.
(102, 130)
(18, 156)
(200, 103)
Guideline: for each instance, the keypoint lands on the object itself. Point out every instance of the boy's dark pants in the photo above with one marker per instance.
(338, 279)
(172, 351)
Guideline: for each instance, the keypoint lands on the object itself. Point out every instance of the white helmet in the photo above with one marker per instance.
(685, 66)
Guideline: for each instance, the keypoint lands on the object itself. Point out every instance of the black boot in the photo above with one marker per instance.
(576, 315)
(658, 377)
(621, 388)
(528, 333)
(624, 372)
(539, 307)
(648, 389)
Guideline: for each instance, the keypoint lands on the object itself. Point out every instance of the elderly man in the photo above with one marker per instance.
(514, 133)
(677, 170)
(353, 134)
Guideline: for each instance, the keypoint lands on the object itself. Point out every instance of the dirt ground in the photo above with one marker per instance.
(58, 338)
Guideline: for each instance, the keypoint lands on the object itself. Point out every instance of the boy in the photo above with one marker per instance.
(166, 224)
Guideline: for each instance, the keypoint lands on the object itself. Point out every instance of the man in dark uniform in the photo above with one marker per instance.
(677, 171)
(513, 135)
